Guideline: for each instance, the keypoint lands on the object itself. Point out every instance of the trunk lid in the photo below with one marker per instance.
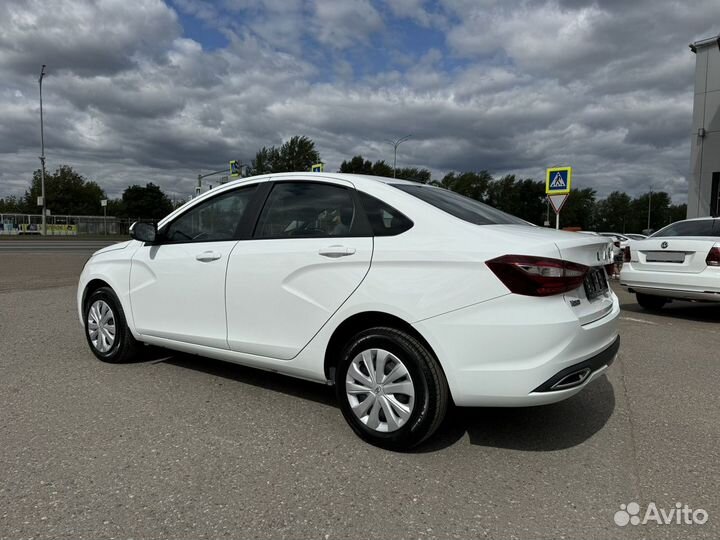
(593, 300)
(683, 254)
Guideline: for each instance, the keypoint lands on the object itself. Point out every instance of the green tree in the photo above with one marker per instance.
(578, 209)
(678, 212)
(11, 205)
(413, 173)
(658, 203)
(522, 198)
(66, 193)
(357, 165)
(471, 184)
(297, 154)
(143, 202)
(380, 168)
(614, 213)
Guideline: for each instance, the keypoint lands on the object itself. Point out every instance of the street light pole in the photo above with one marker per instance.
(42, 154)
(396, 143)
(649, 208)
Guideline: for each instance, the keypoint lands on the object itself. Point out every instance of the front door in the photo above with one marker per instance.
(177, 287)
(308, 254)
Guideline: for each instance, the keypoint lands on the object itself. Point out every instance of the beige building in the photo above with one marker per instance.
(704, 191)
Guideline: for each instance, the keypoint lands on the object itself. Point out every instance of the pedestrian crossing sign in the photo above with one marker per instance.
(235, 168)
(558, 180)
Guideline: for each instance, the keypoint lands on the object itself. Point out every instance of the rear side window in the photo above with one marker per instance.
(702, 227)
(307, 210)
(459, 206)
(383, 218)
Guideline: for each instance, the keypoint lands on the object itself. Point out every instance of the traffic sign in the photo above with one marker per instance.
(103, 202)
(557, 201)
(235, 167)
(318, 167)
(558, 180)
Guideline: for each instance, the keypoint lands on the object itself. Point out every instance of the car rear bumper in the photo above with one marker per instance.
(704, 285)
(502, 352)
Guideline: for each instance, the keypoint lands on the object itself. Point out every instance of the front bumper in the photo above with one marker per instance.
(501, 352)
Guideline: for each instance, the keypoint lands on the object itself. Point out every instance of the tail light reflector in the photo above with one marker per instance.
(537, 276)
(713, 257)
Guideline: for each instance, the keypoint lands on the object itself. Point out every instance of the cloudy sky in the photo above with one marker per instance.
(145, 90)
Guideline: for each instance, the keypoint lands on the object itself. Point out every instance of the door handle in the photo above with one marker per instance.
(336, 251)
(208, 256)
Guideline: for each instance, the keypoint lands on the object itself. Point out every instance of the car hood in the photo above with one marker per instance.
(113, 247)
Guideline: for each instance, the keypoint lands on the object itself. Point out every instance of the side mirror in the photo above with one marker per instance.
(145, 232)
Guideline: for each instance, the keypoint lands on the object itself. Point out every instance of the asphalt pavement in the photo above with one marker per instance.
(178, 446)
(16, 245)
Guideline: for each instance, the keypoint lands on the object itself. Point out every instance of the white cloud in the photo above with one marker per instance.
(344, 23)
(128, 99)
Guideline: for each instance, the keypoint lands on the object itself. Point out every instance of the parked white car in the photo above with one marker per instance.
(620, 241)
(680, 261)
(403, 296)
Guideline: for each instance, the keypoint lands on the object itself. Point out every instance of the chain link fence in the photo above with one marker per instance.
(31, 224)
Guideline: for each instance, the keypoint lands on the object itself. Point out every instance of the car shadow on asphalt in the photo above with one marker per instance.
(679, 309)
(539, 429)
(275, 382)
(543, 428)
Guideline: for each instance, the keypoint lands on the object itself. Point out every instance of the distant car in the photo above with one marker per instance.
(619, 243)
(404, 297)
(636, 236)
(680, 261)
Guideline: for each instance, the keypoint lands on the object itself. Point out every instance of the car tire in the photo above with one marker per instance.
(404, 384)
(650, 302)
(106, 328)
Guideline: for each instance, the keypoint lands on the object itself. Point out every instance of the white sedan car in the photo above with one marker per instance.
(401, 295)
(680, 261)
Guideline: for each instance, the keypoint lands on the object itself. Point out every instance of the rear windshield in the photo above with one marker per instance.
(459, 206)
(701, 227)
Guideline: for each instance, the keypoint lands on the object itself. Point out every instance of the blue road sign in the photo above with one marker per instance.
(558, 180)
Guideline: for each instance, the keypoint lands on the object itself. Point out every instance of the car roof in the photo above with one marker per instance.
(357, 179)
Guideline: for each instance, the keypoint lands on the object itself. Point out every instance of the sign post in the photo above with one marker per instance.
(103, 203)
(558, 181)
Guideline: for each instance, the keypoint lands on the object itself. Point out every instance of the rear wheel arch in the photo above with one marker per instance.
(363, 321)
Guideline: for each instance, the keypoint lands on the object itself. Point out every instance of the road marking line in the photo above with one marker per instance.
(637, 320)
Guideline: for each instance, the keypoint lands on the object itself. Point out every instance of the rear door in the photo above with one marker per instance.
(310, 250)
(681, 247)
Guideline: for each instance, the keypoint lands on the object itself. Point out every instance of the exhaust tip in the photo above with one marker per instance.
(573, 379)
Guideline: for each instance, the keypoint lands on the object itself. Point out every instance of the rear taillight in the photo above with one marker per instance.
(626, 254)
(713, 258)
(537, 276)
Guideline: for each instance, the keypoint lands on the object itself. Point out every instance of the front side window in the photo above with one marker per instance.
(701, 227)
(214, 220)
(459, 206)
(307, 210)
